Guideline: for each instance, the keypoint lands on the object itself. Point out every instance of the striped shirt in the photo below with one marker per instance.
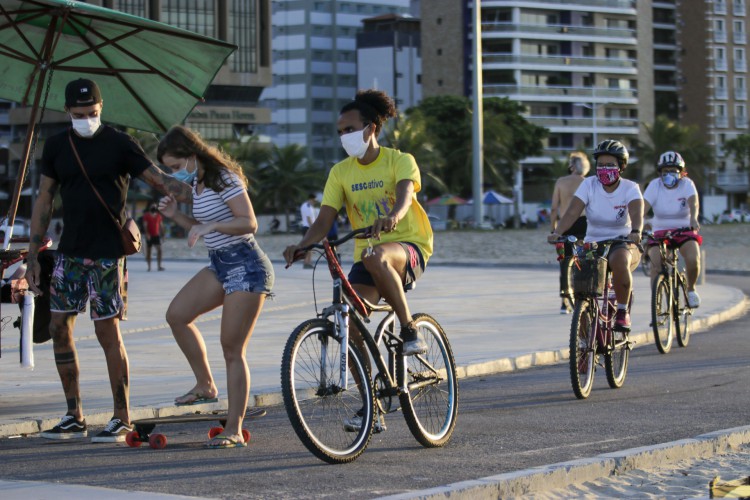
(210, 206)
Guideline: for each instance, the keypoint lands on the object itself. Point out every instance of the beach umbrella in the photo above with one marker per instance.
(447, 199)
(495, 198)
(151, 74)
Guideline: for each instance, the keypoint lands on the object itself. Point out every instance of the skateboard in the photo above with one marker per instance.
(143, 429)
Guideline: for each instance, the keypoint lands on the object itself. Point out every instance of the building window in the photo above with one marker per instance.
(243, 18)
(134, 7)
(198, 16)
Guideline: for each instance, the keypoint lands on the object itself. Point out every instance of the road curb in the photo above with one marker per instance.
(502, 365)
(564, 474)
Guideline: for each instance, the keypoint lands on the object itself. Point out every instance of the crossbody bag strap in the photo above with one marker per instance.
(86, 175)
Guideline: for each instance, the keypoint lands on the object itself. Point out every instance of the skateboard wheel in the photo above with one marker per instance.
(246, 435)
(133, 439)
(215, 431)
(157, 441)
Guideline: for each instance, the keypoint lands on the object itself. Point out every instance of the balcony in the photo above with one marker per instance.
(740, 122)
(573, 124)
(562, 32)
(740, 65)
(739, 37)
(502, 61)
(720, 36)
(720, 7)
(561, 94)
(740, 94)
(738, 7)
(733, 182)
(596, 5)
(721, 93)
(720, 64)
(721, 121)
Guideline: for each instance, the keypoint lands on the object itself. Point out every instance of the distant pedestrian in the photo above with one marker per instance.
(308, 214)
(565, 188)
(153, 224)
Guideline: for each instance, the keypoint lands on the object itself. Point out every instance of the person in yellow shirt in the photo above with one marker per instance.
(377, 186)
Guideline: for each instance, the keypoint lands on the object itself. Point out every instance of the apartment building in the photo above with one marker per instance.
(713, 80)
(315, 69)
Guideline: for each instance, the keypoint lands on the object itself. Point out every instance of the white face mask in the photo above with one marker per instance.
(354, 143)
(86, 127)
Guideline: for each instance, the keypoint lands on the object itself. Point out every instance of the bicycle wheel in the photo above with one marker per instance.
(583, 348)
(683, 315)
(616, 359)
(316, 403)
(430, 405)
(661, 314)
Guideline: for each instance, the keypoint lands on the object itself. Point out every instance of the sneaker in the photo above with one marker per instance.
(114, 432)
(694, 300)
(413, 344)
(68, 428)
(622, 320)
(354, 424)
(564, 309)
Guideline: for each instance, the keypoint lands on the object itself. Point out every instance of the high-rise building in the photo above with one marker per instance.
(589, 69)
(389, 58)
(713, 80)
(315, 69)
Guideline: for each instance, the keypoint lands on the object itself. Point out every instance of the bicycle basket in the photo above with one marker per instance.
(591, 277)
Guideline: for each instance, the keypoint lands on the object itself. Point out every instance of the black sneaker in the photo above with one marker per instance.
(68, 428)
(412, 343)
(114, 432)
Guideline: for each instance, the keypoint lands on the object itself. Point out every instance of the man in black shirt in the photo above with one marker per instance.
(90, 262)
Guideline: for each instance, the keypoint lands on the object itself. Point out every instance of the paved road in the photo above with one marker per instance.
(507, 320)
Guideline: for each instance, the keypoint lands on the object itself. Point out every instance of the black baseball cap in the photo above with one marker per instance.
(82, 92)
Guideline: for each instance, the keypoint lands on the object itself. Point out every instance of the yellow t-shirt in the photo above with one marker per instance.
(369, 192)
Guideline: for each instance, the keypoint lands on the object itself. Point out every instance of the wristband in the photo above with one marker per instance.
(635, 231)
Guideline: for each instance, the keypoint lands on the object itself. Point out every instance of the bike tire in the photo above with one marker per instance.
(662, 320)
(582, 359)
(315, 403)
(616, 359)
(430, 405)
(683, 315)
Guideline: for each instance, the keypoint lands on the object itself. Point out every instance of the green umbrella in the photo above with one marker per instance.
(151, 74)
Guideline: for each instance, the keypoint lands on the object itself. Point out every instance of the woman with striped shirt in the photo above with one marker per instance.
(239, 276)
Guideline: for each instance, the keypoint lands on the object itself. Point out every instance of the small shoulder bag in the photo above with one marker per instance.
(129, 232)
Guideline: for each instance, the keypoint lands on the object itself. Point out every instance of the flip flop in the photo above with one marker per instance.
(226, 442)
(199, 399)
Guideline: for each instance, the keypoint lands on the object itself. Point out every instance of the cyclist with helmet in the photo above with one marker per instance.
(674, 200)
(614, 209)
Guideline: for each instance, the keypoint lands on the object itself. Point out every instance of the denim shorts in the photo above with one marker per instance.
(242, 267)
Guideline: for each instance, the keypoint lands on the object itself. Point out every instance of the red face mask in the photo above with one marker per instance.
(608, 175)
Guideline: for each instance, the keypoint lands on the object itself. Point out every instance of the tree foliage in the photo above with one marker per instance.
(667, 135)
(739, 148)
(508, 138)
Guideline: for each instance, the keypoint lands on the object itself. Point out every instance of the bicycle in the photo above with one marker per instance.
(670, 311)
(592, 331)
(323, 386)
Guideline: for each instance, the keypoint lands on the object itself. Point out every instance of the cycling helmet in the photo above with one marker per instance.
(613, 148)
(671, 159)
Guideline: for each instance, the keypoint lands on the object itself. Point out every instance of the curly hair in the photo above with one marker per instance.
(374, 106)
(182, 142)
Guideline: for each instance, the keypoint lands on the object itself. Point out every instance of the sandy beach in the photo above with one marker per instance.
(726, 247)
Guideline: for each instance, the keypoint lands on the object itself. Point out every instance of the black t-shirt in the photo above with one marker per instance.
(109, 157)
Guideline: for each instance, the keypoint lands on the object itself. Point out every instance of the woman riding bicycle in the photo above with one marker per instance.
(378, 186)
(674, 200)
(614, 209)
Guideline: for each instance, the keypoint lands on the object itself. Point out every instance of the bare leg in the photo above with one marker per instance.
(158, 258)
(241, 311)
(201, 294)
(108, 334)
(691, 254)
(622, 262)
(387, 266)
(66, 360)
(654, 256)
(148, 256)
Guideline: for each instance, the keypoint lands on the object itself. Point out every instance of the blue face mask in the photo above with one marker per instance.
(670, 179)
(183, 175)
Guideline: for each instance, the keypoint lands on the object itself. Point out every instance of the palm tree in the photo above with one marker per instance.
(410, 136)
(667, 135)
(286, 179)
(252, 155)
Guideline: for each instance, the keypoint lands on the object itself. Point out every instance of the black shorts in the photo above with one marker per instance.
(578, 229)
(153, 240)
(414, 267)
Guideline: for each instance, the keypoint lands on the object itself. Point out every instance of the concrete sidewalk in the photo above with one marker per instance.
(498, 319)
